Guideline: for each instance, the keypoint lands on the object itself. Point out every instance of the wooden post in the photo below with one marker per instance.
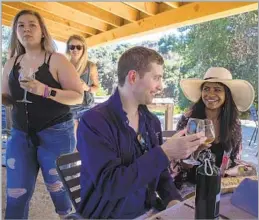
(169, 117)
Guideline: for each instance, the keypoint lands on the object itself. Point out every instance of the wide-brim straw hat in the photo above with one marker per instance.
(242, 91)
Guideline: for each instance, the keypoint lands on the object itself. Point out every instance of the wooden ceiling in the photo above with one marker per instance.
(105, 22)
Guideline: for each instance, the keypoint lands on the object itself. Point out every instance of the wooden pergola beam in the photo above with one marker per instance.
(69, 13)
(173, 4)
(96, 13)
(13, 8)
(149, 8)
(54, 35)
(52, 29)
(67, 31)
(189, 14)
(119, 9)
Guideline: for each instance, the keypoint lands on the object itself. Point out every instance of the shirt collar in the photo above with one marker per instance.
(116, 105)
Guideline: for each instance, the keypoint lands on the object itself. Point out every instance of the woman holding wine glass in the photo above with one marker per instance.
(40, 84)
(217, 99)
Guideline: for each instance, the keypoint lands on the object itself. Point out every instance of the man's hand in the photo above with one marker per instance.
(180, 147)
(172, 203)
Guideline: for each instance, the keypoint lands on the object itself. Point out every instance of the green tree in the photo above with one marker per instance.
(230, 42)
(6, 31)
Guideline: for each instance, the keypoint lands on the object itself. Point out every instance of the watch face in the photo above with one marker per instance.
(53, 93)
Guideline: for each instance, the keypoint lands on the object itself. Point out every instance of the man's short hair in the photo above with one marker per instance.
(138, 59)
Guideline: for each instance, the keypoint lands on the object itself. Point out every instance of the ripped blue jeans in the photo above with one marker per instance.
(23, 161)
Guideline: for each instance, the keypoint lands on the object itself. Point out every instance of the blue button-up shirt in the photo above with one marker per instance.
(114, 175)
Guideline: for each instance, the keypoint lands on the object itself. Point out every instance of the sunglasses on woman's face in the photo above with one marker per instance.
(78, 47)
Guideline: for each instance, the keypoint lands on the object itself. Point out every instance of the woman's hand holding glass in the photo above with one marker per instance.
(25, 76)
(30, 84)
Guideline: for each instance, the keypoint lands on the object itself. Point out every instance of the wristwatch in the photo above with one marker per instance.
(52, 93)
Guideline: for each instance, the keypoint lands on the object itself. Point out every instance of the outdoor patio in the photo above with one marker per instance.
(41, 205)
(102, 23)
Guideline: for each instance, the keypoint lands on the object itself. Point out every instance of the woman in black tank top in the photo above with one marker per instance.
(77, 53)
(43, 129)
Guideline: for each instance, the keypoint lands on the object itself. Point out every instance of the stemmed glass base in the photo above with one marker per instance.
(24, 100)
(23, 77)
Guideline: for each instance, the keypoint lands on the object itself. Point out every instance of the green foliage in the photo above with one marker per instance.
(244, 115)
(101, 92)
(158, 113)
(177, 109)
(230, 42)
(5, 42)
(106, 59)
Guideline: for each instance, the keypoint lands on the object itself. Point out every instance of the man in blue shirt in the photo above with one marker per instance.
(124, 168)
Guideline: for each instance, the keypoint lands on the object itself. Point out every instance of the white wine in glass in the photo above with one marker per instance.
(26, 76)
(208, 130)
(192, 128)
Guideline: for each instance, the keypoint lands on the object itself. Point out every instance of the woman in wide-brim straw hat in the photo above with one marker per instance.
(218, 97)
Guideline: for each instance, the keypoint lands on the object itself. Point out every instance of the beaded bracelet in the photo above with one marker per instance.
(46, 91)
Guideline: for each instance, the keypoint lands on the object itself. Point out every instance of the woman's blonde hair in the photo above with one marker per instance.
(82, 63)
(47, 44)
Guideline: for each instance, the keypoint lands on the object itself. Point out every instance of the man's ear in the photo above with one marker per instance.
(132, 75)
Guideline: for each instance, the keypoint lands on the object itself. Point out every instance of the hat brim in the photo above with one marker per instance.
(242, 91)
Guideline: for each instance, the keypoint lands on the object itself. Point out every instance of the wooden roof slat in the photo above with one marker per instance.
(95, 12)
(51, 24)
(58, 38)
(14, 7)
(69, 13)
(6, 22)
(135, 18)
(173, 4)
(51, 28)
(53, 34)
(150, 8)
(188, 14)
(119, 9)
(164, 7)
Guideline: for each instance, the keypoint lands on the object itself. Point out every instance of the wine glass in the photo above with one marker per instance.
(192, 125)
(26, 76)
(208, 130)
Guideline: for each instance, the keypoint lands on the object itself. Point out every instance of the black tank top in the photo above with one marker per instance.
(42, 112)
(87, 79)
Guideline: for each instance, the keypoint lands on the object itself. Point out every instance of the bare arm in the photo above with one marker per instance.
(6, 95)
(237, 148)
(95, 79)
(72, 91)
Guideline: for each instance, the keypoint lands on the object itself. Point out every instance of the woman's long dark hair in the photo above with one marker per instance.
(228, 116)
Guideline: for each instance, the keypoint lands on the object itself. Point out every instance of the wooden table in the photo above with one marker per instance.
(185, 210)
